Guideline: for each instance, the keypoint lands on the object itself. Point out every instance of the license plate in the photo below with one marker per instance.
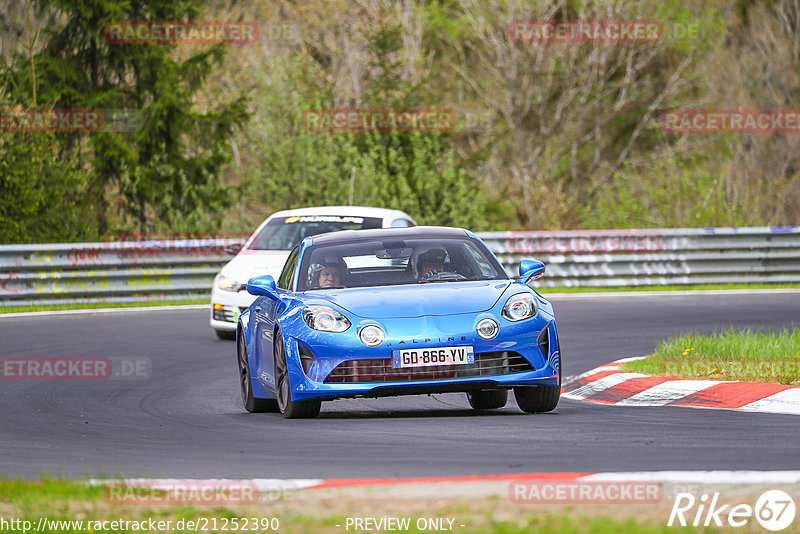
(402, 358)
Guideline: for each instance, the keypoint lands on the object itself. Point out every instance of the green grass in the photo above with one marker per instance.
(56, 499)
(748, 355)
(101, 305)
(701, 287)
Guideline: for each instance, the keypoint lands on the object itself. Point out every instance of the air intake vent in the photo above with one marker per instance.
(381, 370)
(544, 343)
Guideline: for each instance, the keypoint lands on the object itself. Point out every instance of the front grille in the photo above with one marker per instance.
(381, 370)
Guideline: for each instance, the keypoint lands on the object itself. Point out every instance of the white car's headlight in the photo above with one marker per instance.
(519, 307)
(229, 284)
(325, 319)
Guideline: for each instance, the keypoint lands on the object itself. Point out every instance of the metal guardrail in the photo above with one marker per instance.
(110, 272)
(607, 258)
(168, 270)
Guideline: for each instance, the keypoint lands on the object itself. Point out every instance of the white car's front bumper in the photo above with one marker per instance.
(226, 307)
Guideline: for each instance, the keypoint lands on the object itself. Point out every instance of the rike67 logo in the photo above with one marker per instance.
(774, 510)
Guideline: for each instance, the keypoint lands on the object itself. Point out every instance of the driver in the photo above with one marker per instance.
(330, 276)
(430, 263)
(325, 276)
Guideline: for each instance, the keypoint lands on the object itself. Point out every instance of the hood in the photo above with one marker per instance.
(251, 263)
(417, 300)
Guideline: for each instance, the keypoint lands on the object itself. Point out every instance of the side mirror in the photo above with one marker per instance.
(262, 286)
(233, 248)
(530, 270)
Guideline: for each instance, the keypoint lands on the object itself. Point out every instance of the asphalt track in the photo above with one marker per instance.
(186, 420)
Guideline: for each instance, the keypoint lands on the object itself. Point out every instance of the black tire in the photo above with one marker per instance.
(539, 399)
(487, 399)
(289, 408)
(228, 335)
(251, 403)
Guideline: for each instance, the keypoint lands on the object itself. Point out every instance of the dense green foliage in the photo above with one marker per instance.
(162, 172)
(547, 136)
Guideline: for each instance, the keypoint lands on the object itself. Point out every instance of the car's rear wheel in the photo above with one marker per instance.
(226, 334)
(539, 399)
(487, 399)
(289, 408)
(251, 403)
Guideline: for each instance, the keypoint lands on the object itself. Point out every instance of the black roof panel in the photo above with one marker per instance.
(344, 236)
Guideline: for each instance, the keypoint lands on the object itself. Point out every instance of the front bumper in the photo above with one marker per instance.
(523, 354)
(226, 306)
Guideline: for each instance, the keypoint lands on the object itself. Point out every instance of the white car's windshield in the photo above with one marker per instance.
(397, 261)
(283, 233)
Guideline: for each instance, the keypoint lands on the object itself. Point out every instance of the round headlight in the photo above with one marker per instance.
(487, 328)
(371, 335)
(325, 321)
(519, 307)
(325, 318)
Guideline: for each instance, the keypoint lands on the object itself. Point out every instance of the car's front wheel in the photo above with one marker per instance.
(289, 408)
(251, 403)
(487, 399)
(539, 399)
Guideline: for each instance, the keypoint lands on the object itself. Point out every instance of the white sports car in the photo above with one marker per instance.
(266, 251)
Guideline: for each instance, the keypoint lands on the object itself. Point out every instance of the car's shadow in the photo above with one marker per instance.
(414, 413)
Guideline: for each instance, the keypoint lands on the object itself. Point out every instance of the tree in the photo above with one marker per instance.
(165, 173)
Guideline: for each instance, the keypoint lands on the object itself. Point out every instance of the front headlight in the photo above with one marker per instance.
(325, 319)
(371, 335)
(488, 328)
(229, 284)
(519, 307)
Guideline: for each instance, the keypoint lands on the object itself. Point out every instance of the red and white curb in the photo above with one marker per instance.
(266, 485)
(609, 384)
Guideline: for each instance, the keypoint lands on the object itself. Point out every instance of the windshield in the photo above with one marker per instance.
(283, 233)
(397, 261)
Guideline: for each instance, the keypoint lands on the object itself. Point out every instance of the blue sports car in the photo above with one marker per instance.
(399, 311)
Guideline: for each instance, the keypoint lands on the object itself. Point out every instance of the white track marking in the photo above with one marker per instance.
(786, 401)
(599, 385)
(707, 477)
(266, 485)
(667, 392)
(571, 379)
